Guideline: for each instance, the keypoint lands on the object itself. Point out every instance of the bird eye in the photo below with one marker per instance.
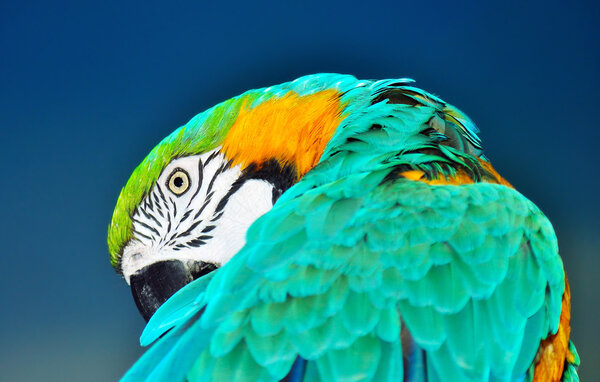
(179, 181)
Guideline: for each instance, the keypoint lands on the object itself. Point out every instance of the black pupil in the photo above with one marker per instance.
(178, 181)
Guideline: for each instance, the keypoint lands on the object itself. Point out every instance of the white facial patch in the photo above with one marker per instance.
(198, 210)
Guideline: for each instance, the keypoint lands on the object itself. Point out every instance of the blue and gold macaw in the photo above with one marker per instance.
(333, 229)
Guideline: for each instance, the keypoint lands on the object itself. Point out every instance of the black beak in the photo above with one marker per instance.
(153, 285)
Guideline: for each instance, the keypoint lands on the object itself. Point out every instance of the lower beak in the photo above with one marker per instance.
(152, 285)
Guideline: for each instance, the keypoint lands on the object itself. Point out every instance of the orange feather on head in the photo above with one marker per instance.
(292, 129)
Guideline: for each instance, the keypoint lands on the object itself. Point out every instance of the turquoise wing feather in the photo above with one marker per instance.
(358, 273)
(331, 275)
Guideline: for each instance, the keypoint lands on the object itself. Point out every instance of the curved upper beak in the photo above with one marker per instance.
(152, 285)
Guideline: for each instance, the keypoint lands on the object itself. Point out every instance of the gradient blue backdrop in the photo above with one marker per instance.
(88, 89)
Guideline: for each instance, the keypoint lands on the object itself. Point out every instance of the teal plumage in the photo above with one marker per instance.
(360, 264)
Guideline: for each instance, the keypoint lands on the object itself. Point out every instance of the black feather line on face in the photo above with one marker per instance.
(281, 177)
(195, 243)
(212, 181)
(200, 179)
(271, 171)
(162, 196)
(162, 240)
(208, 228)
(211, 157)
(184, 217)
(203, 207)
(200, 240)
(190, 229)
(137, 233)
(173, 207)
(148, 203)
(217, 217)
(173, 236)
(155, 198)
(150, 216)
(152, 229)
(159, 211)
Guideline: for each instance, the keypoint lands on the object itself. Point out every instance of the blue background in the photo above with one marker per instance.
(88, 89)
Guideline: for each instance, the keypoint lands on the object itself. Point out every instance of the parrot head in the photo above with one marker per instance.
(186, 208)
(193, 220)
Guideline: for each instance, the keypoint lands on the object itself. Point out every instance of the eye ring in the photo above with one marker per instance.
(178, 182)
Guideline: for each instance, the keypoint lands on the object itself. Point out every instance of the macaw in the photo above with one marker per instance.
(336, 229)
